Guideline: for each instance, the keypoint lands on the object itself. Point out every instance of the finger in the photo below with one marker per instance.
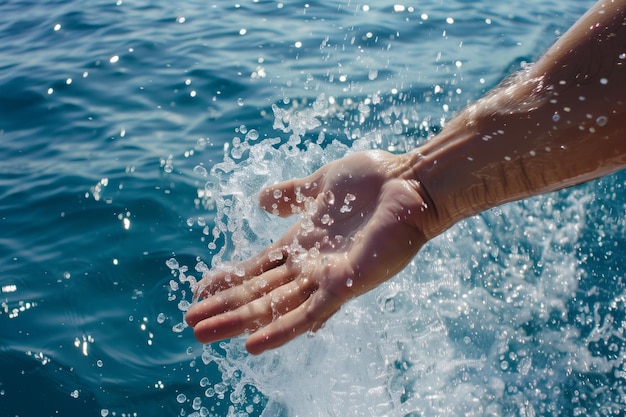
(288, 197)
(309, 316)
(255, 314)
(235, 297)
(229, 276)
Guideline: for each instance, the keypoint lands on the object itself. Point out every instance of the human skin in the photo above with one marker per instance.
(558, 123)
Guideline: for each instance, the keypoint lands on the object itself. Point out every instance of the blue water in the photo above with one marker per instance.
(133, 137)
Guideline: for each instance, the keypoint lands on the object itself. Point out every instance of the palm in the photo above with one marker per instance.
(358, 228)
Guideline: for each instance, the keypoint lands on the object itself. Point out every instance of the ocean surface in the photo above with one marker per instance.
(134, 136)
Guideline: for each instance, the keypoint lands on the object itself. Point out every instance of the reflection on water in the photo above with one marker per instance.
(134, 137)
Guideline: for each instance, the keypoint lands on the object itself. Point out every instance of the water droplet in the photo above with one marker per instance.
(252, 135)
(161, 318)
(275, 255)
(330, 198)
(240, 102)
(200, 170)
(172, 263)
(178, 328)
(556, 117)
(197, 403)
(602, 121)
(349, 282)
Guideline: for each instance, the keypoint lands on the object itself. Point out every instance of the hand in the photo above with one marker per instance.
(360, 225)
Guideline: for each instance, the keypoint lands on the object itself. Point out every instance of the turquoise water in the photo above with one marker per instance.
(133, 138)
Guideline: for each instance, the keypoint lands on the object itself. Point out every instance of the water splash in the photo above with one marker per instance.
(484, 321)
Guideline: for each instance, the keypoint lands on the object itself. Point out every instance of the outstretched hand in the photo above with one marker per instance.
(360, 224)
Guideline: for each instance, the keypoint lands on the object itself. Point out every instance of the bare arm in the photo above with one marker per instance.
(559, 123)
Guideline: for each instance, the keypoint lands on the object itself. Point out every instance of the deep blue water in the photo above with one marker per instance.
(128, 140)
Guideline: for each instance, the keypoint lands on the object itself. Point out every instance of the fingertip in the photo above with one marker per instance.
(191, 318)
(202, 336)
(258, 343)
(254, 349)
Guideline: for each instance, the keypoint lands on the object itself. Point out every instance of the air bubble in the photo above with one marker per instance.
(602, 121)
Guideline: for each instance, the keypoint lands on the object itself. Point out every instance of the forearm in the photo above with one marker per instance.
(557, 124)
